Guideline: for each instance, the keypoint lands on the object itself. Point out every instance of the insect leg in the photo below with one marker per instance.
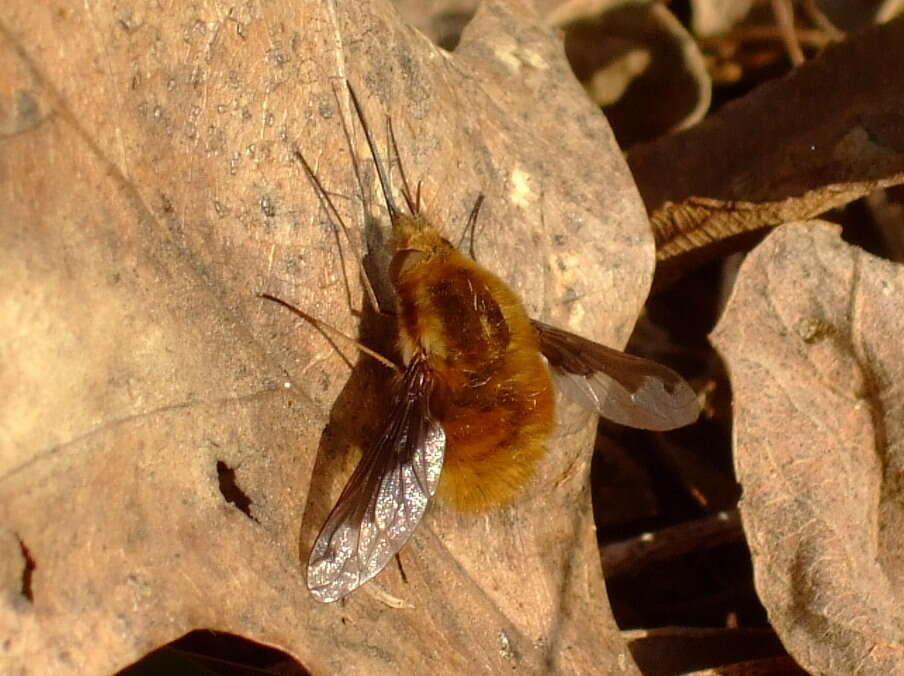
(470, 226)
(330, 207)
(323, 327)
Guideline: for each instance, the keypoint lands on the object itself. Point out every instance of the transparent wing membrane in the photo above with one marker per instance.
(386, 496)
(623, 388)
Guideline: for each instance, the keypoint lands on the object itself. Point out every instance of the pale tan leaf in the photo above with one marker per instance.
(149, 192)
(812, 337)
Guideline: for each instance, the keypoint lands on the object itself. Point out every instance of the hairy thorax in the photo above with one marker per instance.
(493, 396)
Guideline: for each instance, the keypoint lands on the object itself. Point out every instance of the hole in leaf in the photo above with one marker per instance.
(27, 571)
(231, 491)
(448, 27)
(208, 652)
(443, 26)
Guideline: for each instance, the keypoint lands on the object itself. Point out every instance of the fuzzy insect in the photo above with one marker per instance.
(474, 406)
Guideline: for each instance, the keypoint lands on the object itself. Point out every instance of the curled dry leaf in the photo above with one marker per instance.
(624, 52)
(150, 192)
(829, 133)
(629, 54)
(812, 337)
(712, 17)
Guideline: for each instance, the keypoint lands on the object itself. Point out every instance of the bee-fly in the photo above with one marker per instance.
(474, 406)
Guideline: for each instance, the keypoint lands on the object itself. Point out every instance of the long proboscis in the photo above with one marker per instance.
(391, 206)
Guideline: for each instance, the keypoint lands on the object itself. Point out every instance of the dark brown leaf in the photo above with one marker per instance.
(830, 132)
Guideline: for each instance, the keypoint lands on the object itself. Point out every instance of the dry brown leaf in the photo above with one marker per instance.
(628, 54)
(830, 132)
(856, 16)
(149, 193)
(812, 336)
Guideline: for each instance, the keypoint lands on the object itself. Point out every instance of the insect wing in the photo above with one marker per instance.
(624, 388)
(385, 497)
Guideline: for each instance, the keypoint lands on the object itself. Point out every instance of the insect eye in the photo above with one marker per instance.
(404, 260)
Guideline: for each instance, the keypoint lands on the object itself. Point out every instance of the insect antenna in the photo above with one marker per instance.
(391, 206)
(324, 328)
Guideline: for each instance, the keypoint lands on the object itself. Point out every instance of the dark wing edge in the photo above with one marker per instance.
(385, 497)
(626, 389)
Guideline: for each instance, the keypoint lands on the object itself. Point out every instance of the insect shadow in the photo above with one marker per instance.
(355, 420)
(360, 410)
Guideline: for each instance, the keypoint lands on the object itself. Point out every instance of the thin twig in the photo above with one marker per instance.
(784, 18)
(671, 542)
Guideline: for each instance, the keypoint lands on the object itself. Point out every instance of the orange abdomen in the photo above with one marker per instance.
(494, 396)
